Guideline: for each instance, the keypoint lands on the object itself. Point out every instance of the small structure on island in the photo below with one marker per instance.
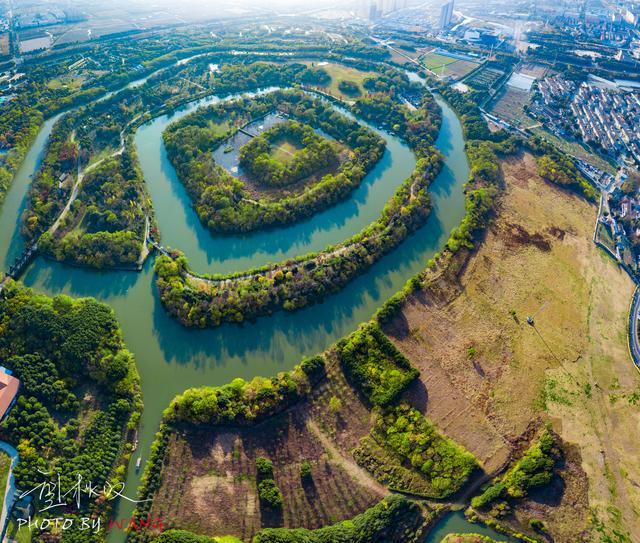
(9, 386)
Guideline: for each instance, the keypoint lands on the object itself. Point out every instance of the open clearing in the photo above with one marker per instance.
(285, 150)
(487, 377)
(339, 72)
(214, 468)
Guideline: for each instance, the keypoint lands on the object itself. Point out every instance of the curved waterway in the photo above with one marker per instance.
(170, 357)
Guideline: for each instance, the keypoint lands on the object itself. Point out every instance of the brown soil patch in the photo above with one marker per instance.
(213, 470)
(488, 376)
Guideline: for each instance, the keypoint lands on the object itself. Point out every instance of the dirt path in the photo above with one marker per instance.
(347, 464)
(81, 175)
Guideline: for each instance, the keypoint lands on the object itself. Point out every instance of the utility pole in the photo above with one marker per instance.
(530, 318)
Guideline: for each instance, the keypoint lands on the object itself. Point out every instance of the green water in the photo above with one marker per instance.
(455, 523)
(171, 358)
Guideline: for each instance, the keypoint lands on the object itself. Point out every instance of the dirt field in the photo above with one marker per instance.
(509, 105)
(488, 377)
(214, 471)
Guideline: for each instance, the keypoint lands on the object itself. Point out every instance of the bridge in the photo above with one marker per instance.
(21, 263)
(246, 132)
(158, 247)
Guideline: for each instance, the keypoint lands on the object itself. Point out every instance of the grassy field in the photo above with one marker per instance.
(339, 72)
(284, 150)
(434, 61)
(447, 66)
(487, 376)
(65, 82)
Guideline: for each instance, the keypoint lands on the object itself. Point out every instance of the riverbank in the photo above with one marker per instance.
(168, 354)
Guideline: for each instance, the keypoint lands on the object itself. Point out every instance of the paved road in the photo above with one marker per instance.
(634, 345)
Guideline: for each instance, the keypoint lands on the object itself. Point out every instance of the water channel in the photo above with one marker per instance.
(170, 357)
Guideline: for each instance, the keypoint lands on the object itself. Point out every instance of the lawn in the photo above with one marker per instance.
(65, 82)
(435, 61)
(284, 150)
(339, 72)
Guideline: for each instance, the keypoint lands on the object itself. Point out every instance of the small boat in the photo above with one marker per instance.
(138, 463)
(228, 148)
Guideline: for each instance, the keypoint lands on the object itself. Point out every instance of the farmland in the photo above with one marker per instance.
(447, 66)
(509, 105)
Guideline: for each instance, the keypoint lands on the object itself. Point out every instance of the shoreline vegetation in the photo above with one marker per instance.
(80, 399)
(223, 203)
(240, 403)
(398, 429)
(482, 195)
(86, 136)
(209, 301)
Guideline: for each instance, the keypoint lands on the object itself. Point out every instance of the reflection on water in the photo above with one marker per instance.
(180, 227)
(455, 523)
(170, 357)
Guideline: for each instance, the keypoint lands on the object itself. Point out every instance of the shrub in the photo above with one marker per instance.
(374, 366)
(264, 468)
(534, 469)
(419, 445)
(270, 495)
(305, 470)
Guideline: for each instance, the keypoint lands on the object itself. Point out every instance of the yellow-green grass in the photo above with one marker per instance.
(284, 150)
(434, 61)
(340, 72)
(489, 373)
(65, 82)
(22, 535)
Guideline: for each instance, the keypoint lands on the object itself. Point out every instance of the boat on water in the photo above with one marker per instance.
(138, 463)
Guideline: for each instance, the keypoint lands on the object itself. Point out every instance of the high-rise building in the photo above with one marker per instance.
(446, 14)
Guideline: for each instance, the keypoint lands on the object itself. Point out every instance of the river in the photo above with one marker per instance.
(170, 357)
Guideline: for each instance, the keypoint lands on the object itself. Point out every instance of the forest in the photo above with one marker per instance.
(202, 302)
(80, 392)
(224, 204)
(207, 302)
(105, 226)
(312, 154)
(241, 402)
(374, 366)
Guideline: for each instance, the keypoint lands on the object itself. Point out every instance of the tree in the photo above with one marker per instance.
(305, 470)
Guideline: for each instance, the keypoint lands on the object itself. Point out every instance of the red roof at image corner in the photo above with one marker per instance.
(8, 389)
